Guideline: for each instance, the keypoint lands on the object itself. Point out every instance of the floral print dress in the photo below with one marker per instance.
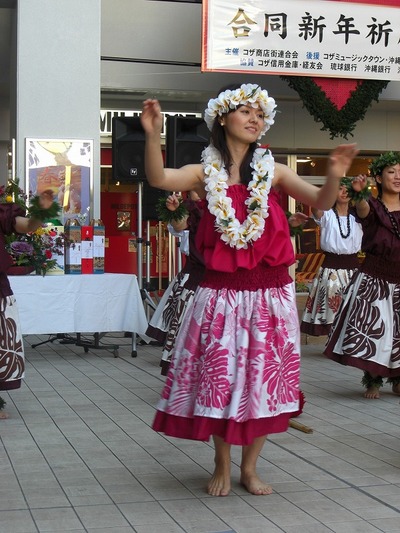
(235, 368)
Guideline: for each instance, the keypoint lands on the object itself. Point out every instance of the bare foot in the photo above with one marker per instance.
(372, 393)
(220, 482)
(396, 388)
(4, 415)
(254, 485)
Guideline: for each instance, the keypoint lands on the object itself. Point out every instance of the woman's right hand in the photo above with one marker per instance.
(359, 182)
(151, 117)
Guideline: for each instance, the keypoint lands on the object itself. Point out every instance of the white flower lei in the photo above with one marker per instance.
(247, 94)
(220, 205)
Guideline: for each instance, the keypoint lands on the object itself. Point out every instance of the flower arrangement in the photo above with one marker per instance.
(11, 193)
(39, 249)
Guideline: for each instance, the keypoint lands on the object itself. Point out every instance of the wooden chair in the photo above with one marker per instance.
(308, 266)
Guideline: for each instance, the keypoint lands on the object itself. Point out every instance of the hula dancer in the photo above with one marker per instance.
(340, 241)
(182, 218)
(234, 375)
(366, 330)
(13, 219)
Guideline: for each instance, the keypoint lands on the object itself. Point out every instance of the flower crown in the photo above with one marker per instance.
(249, 94)
(384, 160)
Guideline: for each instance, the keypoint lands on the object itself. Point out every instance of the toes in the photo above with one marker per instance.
(262, 491)
(218, 492)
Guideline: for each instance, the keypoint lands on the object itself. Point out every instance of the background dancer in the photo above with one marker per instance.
(341, 239)
(366, 330)
(13, 219)
(167, 318)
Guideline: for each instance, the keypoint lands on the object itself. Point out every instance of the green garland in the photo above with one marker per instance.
(346, 182)
(368, 381)
(389, 159)
(340, 123)
(393, 381)
(357, 196)
(35, 211)
(165, 215)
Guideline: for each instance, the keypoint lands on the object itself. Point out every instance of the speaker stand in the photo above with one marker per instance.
(147, 285)
(143, 287)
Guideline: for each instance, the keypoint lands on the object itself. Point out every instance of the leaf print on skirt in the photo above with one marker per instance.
(227, 364)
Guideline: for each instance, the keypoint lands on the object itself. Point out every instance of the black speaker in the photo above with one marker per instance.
(128, 141)
(185, 139)
(150, 198)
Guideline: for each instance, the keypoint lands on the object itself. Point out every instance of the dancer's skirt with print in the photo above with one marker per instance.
(326, 293)
(182, 303)
(166, 309)
(235, 369)
(366, 330)
(12, 361)
(167, 318)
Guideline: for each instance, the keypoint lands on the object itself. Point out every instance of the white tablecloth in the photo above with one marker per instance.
(84, 303)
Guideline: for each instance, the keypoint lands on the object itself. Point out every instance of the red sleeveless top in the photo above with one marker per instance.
(273, 248)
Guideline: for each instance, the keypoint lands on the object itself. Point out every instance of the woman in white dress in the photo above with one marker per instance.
(341, 238)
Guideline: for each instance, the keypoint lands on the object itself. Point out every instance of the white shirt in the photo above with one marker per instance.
(332, 241)
(183, 236)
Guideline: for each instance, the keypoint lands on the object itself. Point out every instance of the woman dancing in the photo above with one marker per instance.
(341, 239)
(366, 330)
(234, 374)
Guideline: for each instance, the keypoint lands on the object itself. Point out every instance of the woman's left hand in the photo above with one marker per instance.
(46, 199)
(341, 157)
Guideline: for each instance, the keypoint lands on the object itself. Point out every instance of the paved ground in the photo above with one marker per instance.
(78, 454)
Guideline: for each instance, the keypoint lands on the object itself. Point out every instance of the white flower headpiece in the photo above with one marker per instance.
(247, 94)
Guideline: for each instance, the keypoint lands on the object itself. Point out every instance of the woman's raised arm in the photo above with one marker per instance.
(189, 177)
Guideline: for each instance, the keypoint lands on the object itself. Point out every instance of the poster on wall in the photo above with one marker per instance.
(65, 167)
(302, 38)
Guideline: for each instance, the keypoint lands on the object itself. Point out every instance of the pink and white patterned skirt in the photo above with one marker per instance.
(236, 364)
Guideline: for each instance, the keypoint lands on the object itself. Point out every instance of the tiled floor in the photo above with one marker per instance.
(78, 454)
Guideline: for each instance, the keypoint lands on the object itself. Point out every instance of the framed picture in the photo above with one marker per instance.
(124, 220)
(64, 166)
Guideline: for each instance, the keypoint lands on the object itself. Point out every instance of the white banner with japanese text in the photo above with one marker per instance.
(303, 38)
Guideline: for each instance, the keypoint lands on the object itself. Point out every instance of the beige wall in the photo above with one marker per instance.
(58, 76)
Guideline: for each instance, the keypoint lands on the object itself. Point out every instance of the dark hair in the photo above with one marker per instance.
(376, 168)
(218, 139)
